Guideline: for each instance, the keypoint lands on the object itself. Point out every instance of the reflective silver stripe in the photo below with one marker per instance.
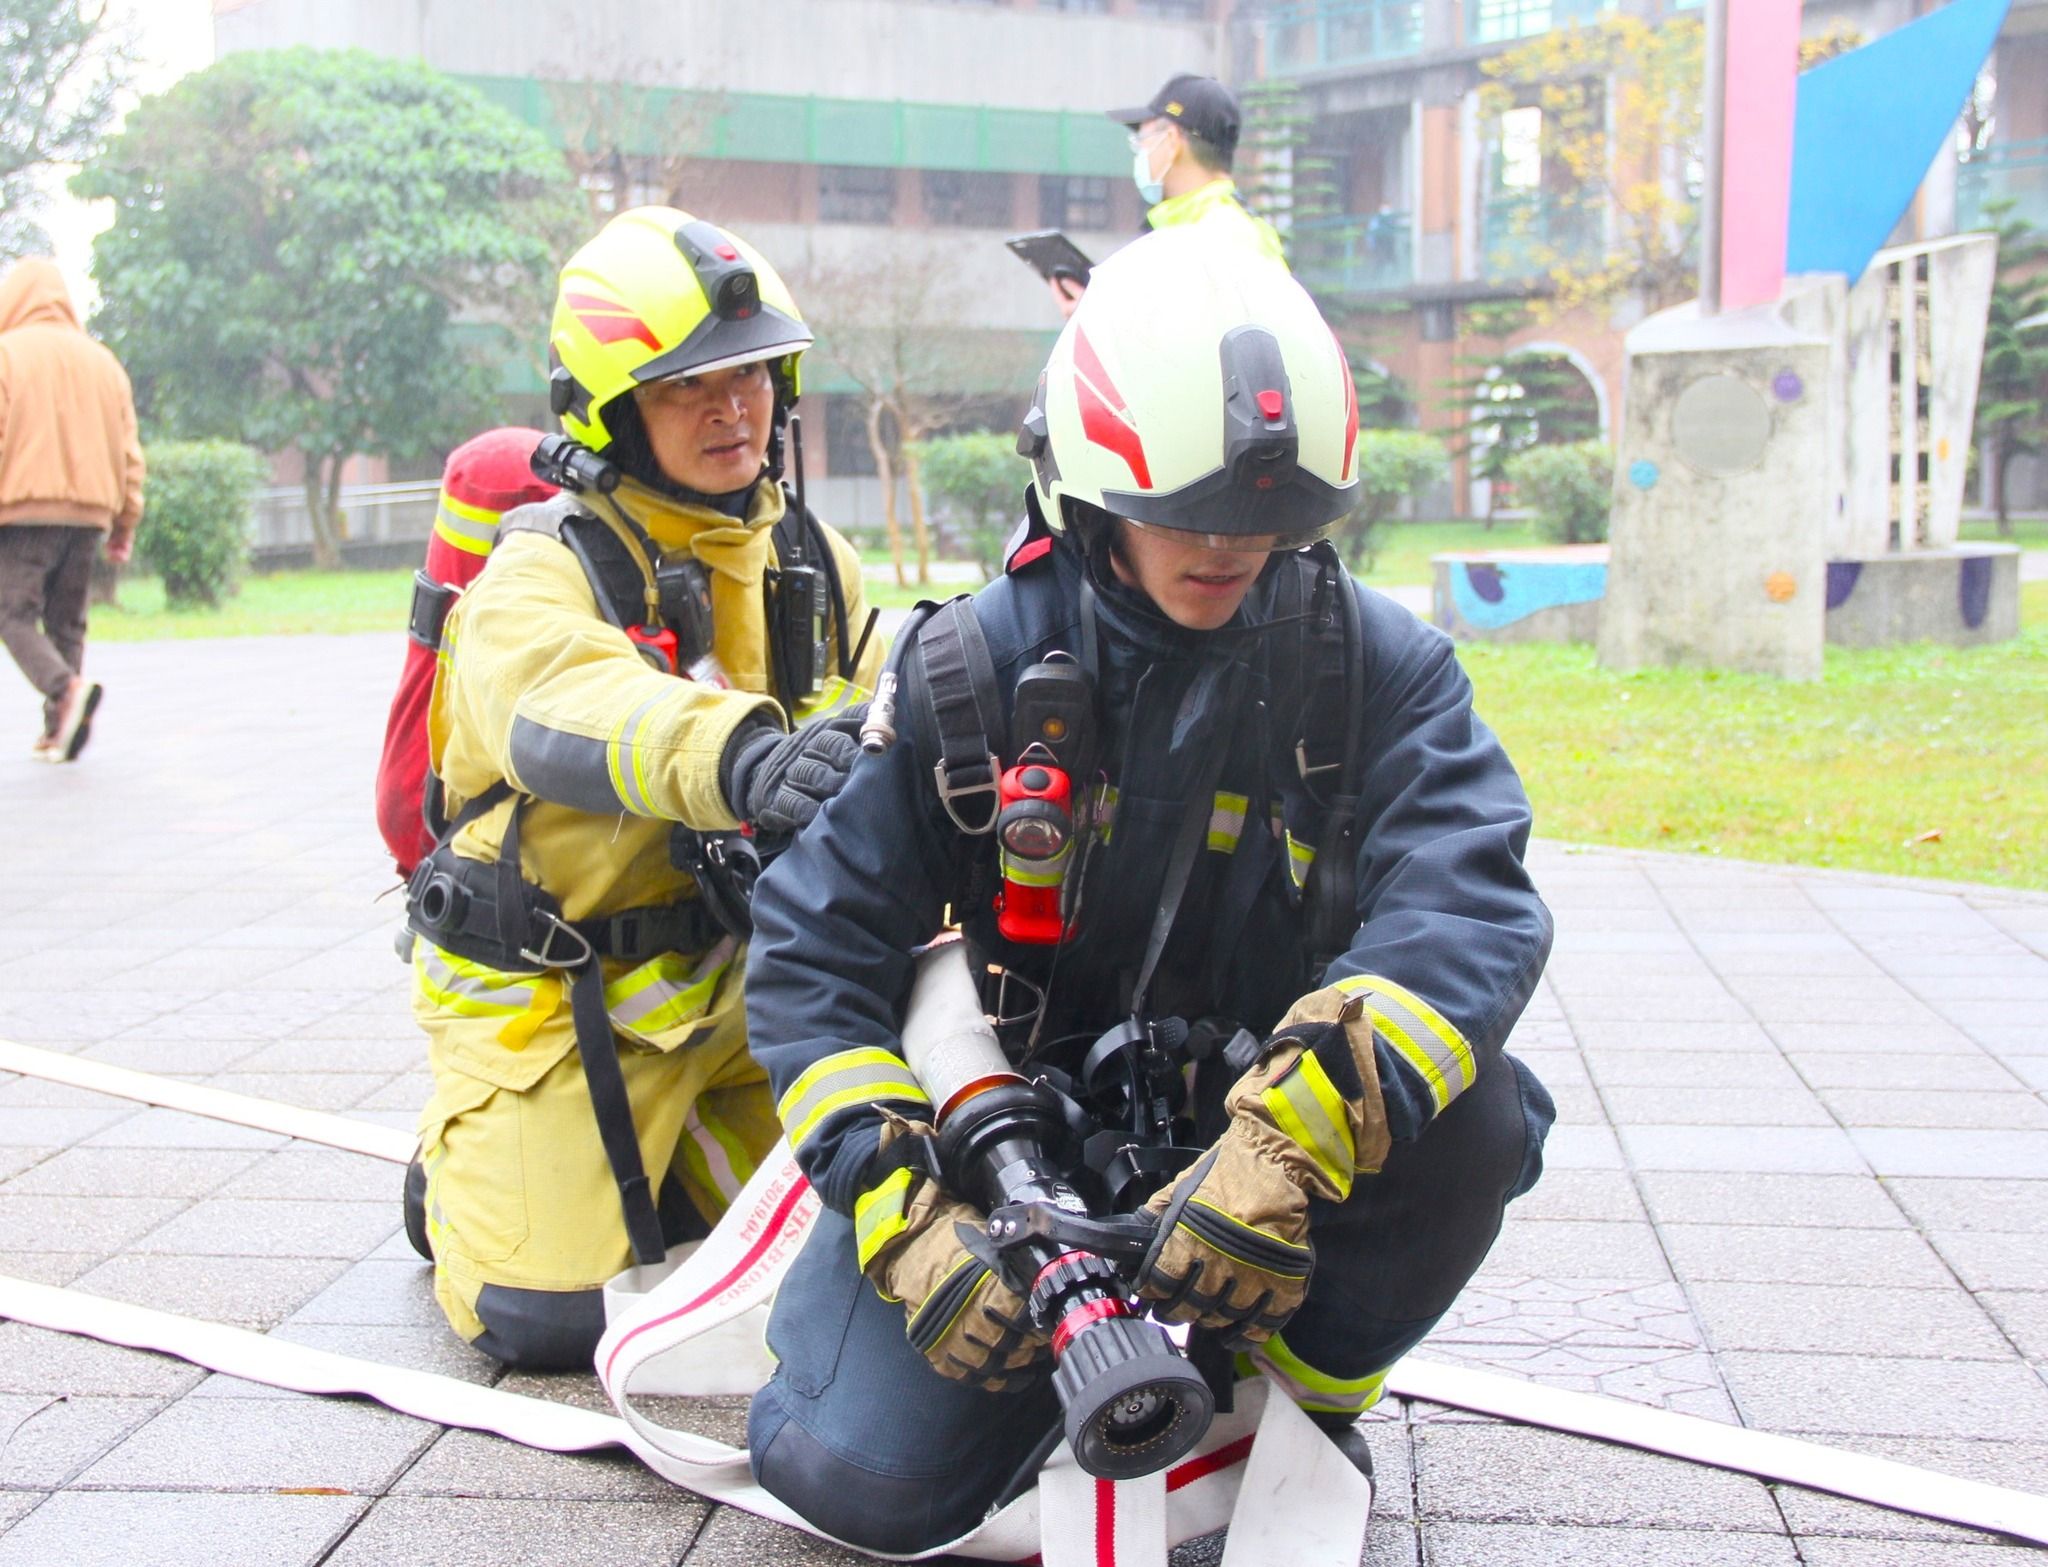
(1313, 1389)
(1418, 1033)
(843, 1081)
(1226, 821)
(470, 529)
(878, 1215)
(626, 760)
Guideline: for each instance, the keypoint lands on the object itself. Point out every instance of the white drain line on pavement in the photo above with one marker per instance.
(557, 1427)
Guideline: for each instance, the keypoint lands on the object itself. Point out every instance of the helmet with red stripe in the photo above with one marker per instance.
(658, 293)
(1197, 389)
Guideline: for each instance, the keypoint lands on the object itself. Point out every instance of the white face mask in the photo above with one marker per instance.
(1152, 190)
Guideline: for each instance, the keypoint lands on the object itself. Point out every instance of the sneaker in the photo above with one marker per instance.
(40, 748)
(74, 718)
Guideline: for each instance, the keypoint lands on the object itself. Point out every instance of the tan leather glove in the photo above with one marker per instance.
(1232, 1251)
(961, 1316)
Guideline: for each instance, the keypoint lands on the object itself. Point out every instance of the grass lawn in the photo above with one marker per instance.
(1918, 760)
(2029, 533)
(285, 603)
(1922, 760)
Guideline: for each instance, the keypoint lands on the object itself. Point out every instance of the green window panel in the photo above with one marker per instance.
(943, 136)
(844, 130)
(761, 128)
(778, 128)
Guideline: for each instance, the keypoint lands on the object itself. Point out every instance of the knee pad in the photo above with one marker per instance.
(540, 1330)
(894, 1514)
(416, 1208)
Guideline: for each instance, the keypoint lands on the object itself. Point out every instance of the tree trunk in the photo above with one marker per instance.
(320, 515)
(885, 470)
(913, 481)
(1996, 450)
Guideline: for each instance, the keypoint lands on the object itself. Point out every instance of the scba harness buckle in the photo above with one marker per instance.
(555, 926)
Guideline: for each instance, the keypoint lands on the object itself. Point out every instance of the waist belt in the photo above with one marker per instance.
(490, 914)
(456, 903)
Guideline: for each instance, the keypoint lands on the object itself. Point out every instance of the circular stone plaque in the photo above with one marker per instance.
(1720, 426)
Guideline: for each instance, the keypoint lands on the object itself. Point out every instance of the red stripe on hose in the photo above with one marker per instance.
(1105, 1523)
(769, 1235)
(1201, 1468)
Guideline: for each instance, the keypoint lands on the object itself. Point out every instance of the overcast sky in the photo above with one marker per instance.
(173, 37)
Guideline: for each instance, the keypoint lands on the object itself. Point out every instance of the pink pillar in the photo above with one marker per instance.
(1756, 149)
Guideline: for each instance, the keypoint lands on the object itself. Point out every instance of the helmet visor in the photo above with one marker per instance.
(1236, 543)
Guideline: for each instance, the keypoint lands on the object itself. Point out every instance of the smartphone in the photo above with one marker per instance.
(1052, 255)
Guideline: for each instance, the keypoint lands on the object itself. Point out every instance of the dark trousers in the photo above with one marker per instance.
(861, 1436)
(45, 581)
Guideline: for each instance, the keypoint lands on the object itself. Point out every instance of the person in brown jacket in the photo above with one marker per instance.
(70, 472)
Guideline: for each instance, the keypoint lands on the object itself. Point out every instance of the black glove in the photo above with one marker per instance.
(778, 781)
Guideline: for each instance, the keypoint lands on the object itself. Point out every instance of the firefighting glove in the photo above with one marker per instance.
(1232, 1249)
(960, 1315)
(777, 781)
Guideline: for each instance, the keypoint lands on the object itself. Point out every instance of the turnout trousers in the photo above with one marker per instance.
(863, 1438)
(521, 1209)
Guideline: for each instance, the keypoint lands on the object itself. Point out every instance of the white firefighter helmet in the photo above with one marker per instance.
(1197, 389)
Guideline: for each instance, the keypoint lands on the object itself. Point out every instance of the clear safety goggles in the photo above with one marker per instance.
(1234, 543)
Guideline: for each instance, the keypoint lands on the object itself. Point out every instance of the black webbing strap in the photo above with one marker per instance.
(607, 1080)
(1187, 847)
(965, 712)
(598, 1049)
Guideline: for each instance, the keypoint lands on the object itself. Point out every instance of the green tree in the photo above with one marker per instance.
(2012, 389)
(1619, 135)
(1392, 465)
(60, 67)
(323, 252)
(1507, 401)
(978, 480)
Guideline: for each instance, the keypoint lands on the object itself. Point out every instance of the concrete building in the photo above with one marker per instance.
(1445, 207)
(877, 150)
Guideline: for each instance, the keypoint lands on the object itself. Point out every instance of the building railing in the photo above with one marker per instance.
(1348, 254)
(1503, 21)
(2015, 171)
(1314, 34)
(1524, 233)
(372, 514)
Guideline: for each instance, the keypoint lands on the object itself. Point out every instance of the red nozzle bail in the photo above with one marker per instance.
(1272, 404)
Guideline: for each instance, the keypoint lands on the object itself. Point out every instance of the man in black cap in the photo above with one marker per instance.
(1182, 145)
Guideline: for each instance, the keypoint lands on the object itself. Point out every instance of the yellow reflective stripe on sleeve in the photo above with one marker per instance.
(625, 760)
(1306, 1106)
(839, 1082)
(471, 529)
(1226, 821)
(879, 1215)
(1313, 1389)
(667, 990)
(834, 696)
(1420, 1035)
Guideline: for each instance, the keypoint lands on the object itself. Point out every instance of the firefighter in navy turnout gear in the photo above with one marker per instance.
(1297, 867)
(647, 688)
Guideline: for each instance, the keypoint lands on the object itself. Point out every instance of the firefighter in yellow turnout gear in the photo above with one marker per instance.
(595, 794)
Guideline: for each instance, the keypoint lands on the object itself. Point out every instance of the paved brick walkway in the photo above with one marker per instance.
(1800, 1179)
